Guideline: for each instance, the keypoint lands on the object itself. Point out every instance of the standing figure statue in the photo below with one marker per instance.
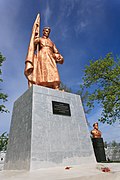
(42, 58)
(95, 132)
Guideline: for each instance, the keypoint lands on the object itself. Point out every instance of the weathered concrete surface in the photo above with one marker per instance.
(78, 172)
(41, 139)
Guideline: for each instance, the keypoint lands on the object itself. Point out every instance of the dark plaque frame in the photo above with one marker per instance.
(61, 108)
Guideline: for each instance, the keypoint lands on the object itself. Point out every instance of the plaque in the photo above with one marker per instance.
(61, 108)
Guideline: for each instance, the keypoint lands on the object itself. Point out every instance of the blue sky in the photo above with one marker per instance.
(81, 29)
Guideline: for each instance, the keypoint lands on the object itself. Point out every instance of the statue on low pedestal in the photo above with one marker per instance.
(98, 144)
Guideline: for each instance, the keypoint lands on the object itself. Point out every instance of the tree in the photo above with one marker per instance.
(3, 97)
(102, 83)
(3, 141)
(84, 97)
(80, 92)
(114, 143)
(63, 87)
(105, 144)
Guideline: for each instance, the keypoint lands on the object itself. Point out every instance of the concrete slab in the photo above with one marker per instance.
(78, 172)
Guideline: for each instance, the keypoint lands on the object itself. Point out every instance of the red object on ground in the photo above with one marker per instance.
(68, 167)
(105, 169)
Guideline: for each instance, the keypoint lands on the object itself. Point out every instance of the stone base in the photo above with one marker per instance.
(99, 150)
(39, 139)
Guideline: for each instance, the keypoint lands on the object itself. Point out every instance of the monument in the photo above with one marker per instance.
(98, 144)
(48, 127)
(42, 56)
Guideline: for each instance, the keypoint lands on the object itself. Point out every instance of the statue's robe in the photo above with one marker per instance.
(46, 67)
(43, 69)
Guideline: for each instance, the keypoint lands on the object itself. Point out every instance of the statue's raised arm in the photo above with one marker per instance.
(42, 56)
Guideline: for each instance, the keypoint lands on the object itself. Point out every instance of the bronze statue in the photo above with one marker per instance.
(98, 144)
(41, 68)
(95, 132)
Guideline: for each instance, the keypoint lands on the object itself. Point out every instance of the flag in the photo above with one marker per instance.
(31, 56)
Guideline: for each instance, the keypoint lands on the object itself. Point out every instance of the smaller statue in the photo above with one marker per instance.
(98, 144)
(95, 132)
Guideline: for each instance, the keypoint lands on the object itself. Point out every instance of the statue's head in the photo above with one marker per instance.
(95, 125)
(46, 31)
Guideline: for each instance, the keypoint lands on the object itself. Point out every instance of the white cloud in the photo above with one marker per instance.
(64, 30)
(8, 23)
(47, 14)
(87, 13)
(83, 12)
(65, 11)
(81, 26)
(68, 7)
(10, 40)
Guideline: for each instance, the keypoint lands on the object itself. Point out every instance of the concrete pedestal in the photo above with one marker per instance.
(39, 138)
(98, 146)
